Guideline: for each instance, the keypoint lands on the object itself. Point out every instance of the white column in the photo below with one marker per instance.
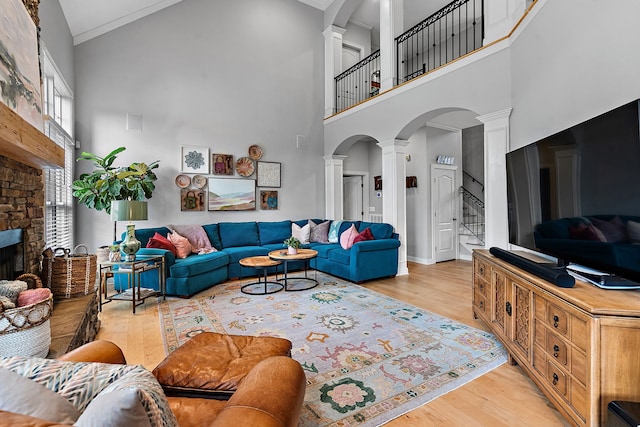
(333, 198)
(500, 16)
(332, 65)
(496, 145)
(394, 194)
(391, 12)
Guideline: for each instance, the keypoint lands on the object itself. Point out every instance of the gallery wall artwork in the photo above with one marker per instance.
(222, 164)
(194, 159)
(268, 174)
(20, 63)
(228, 194)
(268, 200)
(191, 200)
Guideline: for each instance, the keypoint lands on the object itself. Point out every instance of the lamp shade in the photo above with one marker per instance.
(128, 210)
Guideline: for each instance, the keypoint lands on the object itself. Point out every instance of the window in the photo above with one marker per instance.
(58, 110)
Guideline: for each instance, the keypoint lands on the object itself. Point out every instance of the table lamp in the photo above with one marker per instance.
(129, 210)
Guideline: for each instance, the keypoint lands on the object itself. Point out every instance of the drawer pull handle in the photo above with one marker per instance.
(481, 304)
(482, 271)
(508, 308)
(556, 320)
(555, 379)
(556, 351)
(481, 287)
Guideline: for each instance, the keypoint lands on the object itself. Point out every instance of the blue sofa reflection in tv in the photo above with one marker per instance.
(605, 242)
(366, 260)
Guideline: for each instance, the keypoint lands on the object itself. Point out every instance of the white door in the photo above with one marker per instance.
(444, 197)
(352, 191)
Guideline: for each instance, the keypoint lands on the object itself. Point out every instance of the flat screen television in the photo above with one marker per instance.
(575, 195)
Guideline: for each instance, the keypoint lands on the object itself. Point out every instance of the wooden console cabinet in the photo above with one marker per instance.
(580, 345)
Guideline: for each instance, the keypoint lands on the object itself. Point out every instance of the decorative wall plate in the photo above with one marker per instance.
(255, 152)
(245, 167)
(183, 181)
(199, 181)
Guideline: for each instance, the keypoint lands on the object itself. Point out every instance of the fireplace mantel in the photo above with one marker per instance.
(20, 141)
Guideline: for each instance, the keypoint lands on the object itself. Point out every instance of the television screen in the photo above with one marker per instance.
(575, 195)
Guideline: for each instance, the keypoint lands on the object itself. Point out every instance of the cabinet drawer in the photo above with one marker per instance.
(557, 319)
(557, 378)
(481, 286)
(480, 302)
(557, 349)
(482, 269)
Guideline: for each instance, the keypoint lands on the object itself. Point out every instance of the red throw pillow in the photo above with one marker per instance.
(365, 234)
(158, 241)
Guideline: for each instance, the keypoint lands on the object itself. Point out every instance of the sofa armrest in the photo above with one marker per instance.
(169, 257)
(100, 351)
(375, 245)
(270, 395)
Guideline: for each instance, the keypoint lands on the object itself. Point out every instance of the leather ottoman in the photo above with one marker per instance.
(212, 365)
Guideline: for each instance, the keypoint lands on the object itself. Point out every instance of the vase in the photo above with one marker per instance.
(114, 256)
(130, 245)
(292, 250)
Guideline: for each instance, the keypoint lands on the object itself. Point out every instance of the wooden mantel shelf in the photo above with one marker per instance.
(20, 141)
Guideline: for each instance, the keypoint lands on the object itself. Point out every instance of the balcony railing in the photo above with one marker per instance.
(358, 82)
(448, 34)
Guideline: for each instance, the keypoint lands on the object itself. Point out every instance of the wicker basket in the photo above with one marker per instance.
(69, 275)
(26, 331)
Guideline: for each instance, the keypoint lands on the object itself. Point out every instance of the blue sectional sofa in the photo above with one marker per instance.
(366, 260)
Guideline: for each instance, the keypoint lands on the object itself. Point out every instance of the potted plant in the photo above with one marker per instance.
(108, 183)
(293, 244)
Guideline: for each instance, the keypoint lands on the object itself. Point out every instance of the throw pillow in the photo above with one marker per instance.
(81, 382)
(301, 233)
(319, 232)
(115, 409)
(183, 247)
(613, 230)
(6, 303)
(32, 296)
(21, 399)
(365, 234)
(12, 288)
(633, 231)
(348, 236)
(196, 235)
(160, 242)
(586, 232)
(334, 232)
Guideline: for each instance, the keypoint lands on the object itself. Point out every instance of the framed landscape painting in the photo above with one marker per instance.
(228, 194)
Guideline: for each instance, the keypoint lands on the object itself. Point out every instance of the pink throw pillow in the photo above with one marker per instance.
(160, 242)
(348, 236)
(365, 234)
(32, 296)
(196, 235)
(181, 243)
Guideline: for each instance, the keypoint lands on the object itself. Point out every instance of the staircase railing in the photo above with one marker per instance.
(448, 34)
(359, 82)
(473, 215)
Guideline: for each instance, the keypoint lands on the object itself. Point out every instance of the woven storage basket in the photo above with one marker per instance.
(69, 275)
(26, 331)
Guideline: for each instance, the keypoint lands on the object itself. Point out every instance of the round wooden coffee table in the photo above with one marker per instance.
(305, 255)
(261, 262)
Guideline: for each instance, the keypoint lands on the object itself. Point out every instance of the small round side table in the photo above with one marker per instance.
(261, 262)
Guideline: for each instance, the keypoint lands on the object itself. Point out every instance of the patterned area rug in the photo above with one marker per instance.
(368, 358)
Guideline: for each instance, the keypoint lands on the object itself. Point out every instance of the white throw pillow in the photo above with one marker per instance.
(301, 233)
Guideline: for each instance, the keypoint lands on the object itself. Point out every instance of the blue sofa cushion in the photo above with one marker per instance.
(235, 234)
(194, 265)
(379, 231)
(340, 255)
(237, 253)
(213, 235)
(274, 232)
(324, 248)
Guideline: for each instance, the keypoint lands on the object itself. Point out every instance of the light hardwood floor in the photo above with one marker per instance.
(503, 397)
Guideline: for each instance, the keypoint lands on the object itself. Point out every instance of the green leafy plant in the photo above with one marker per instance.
(107, 182)
(293, 242)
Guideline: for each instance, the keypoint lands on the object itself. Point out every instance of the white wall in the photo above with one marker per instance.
(222, 75)
(55, 34)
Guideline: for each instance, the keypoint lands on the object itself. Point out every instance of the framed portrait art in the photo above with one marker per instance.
(268, 174)
(194, 159)
(229, 194)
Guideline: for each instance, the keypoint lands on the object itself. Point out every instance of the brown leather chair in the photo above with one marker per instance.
(271, 394)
